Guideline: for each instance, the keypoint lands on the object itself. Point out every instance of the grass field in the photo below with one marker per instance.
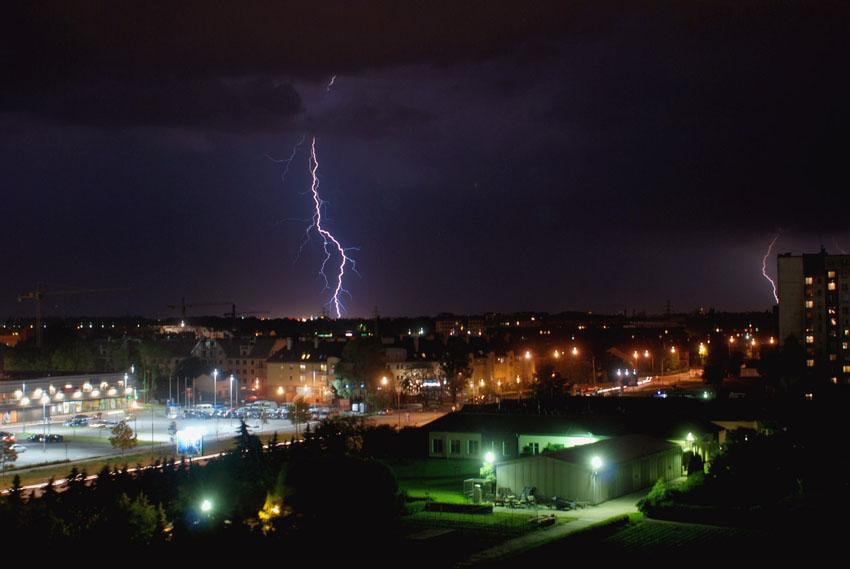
(439, 480)
(649, 536)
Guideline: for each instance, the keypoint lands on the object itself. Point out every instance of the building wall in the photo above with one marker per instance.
(789, 274)
(455, 445)
(554, 477)
(814, 305)
(566, 441)
(287, 381)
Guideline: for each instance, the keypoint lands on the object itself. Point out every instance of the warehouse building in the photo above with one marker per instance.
(596, 472)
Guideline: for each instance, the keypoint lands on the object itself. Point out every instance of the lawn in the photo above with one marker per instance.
(438, 479)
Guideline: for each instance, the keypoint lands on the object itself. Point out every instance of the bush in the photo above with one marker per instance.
(659, 494)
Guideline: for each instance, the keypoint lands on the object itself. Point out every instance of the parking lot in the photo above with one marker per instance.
(72, 440)
(91, 440)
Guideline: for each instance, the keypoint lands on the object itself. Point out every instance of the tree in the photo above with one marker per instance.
(361, 368)
(338, 435)
(717, 362)
(123, 437)
(8, 456)
(299, 413)
(153, 364)
(454, 366)
(550, 386)
(246, 443)
(371, 509)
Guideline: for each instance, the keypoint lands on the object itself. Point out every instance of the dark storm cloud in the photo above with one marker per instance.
(130, 63)
(495, 152)
(198, 102)
(370, 120)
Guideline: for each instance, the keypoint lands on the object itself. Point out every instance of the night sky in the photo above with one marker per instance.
(482, 156)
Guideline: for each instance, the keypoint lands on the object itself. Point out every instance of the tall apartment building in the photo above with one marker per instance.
(814, 306)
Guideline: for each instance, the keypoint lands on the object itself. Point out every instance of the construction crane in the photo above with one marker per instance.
(38, 294)
(233, 314)
(184, 306)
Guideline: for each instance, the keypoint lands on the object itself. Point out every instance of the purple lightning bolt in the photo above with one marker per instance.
(329, 241)
(764, 266)
(289, 160)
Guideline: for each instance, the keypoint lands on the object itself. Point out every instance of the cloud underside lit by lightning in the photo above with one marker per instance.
(330, 243)
(764, 267)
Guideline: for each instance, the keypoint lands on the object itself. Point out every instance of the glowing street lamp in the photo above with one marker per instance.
(231, 399)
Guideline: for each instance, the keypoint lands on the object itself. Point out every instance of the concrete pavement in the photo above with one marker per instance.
(586, 517)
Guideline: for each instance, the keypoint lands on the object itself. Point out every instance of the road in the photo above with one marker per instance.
(151, 427)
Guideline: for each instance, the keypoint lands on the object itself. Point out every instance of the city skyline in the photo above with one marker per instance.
(480, 156)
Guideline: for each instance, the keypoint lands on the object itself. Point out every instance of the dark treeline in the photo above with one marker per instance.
(263, 496)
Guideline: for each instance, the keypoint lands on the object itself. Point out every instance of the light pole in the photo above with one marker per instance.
(231, 399)
(215, 393)
(397, 386)
(44, 401)
(648, 354)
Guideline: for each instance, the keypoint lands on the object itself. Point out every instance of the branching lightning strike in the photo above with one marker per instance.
(764, 267)
(328, 240)
(289, 160)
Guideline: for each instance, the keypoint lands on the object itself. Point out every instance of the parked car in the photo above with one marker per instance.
(77, 421)
(17, 447)
(40, 438)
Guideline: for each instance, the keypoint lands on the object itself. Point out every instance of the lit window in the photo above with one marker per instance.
(808, 280)
(831, 285)
(810, 363)
(830, 274)
(810, 303)
(846, 369)
(810, 339)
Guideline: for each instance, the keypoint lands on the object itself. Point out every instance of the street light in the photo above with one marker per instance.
(45, 399)
(231, 399)
(215, 393)
(596, 463)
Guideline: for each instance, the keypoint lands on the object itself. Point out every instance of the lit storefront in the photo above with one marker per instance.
(41, 398)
